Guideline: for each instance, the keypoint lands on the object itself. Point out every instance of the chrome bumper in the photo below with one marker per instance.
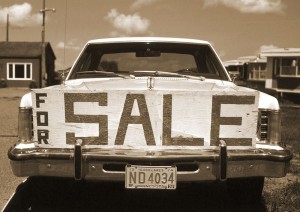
(109, 164)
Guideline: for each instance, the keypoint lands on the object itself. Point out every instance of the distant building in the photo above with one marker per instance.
(283, 65)
(21, 64)
(236, 69)
(249, 71)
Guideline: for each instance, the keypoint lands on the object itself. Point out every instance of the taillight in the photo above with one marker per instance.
(269, 127)
(25, 124)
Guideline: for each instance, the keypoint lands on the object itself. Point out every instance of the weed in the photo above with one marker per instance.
(285, 199)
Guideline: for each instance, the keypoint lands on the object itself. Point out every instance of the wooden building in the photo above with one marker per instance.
(283, 70)
(21, 64)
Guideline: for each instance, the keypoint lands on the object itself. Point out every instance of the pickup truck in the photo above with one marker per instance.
(151, 112)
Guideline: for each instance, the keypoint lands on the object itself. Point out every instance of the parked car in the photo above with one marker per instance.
(153, 113)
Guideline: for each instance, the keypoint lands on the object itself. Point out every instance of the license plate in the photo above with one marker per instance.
(150, 177)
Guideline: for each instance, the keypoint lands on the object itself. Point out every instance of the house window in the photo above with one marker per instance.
(288, 66)
(19, 71)
(257, 71)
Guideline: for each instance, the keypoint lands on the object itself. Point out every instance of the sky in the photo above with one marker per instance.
(235, 28)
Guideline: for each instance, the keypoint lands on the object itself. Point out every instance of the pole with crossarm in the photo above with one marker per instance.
(43, 62)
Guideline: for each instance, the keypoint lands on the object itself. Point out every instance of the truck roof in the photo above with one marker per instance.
(147, 39)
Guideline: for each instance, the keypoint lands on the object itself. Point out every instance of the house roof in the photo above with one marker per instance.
(246, 59)
(253, 59)
(23, 49)
(281, 52)
(233, 63)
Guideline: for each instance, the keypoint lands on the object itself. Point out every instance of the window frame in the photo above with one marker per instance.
(257, 71)
(93, 50)
(13, 71)
(282, 67)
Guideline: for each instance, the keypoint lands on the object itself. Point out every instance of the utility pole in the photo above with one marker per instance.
(7, 27)
(43, 70)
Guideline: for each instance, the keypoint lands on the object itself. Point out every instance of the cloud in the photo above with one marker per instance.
(20, 16)
(60, 45)
(249, 6)
(141, 3)
(72, 47)
(267, 47)
(69, 45)
(127, 24)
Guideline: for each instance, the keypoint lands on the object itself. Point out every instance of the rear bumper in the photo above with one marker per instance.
(109, 164)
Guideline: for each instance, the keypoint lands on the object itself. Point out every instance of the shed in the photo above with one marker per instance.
(21, 64)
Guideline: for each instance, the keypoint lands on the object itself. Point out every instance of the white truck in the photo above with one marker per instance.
(151, 112)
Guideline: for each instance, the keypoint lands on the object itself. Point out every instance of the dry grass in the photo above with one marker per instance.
(284, 199)
(283, 194)
(290, 128)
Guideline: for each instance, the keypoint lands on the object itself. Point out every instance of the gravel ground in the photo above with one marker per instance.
(9, 101)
